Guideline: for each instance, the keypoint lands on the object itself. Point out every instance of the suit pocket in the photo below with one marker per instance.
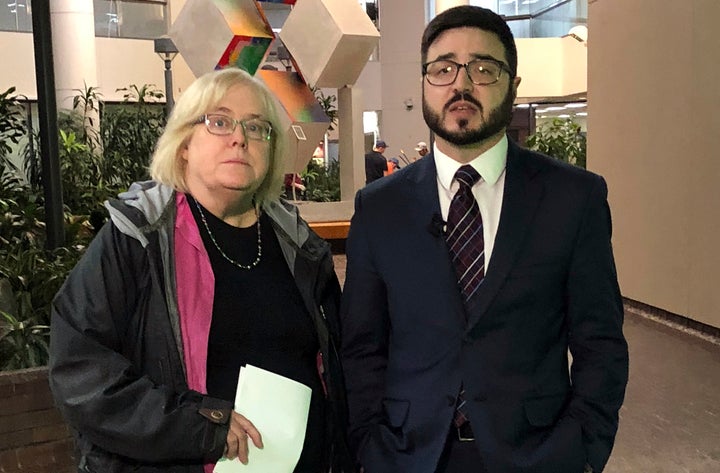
(393, 435)
(396, 412)
(544, 411)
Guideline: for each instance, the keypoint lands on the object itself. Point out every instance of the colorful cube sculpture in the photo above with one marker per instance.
(214, 34)
(302, 117)
(331, 40)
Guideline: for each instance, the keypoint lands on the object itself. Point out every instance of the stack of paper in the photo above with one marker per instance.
(278, 407)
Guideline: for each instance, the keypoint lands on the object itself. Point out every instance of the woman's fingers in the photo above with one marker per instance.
(237, 440)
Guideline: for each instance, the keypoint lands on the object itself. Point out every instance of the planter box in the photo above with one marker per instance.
(33, 436)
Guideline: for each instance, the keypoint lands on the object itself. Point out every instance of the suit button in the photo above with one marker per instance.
(450, 400)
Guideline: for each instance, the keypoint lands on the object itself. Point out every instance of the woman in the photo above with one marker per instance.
(199, 272)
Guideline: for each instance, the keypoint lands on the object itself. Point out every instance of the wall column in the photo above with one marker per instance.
(73, 31)
(652, 132)
(352, 150)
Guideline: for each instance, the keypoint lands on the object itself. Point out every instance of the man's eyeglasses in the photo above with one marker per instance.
(253, 128)
(479, 71)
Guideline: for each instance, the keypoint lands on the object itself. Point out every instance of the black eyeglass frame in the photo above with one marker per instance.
(205, 119)
(500, 64)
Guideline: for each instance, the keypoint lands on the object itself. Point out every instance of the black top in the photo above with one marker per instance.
(259, 318)
(375, 166)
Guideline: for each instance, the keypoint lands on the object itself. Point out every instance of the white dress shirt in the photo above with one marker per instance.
(488, 191)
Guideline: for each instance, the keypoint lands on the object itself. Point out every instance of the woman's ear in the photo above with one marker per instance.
(184, 150)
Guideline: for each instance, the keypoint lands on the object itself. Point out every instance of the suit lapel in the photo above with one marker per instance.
(521, 197)
(426, 208)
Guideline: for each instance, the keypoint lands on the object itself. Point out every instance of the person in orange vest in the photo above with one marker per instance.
(393, 164)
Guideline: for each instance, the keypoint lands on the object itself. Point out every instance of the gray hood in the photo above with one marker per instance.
(152, 199)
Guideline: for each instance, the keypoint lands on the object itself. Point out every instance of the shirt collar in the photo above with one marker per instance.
(490, 164)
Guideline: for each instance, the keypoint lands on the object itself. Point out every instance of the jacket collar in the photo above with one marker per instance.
(151, 200)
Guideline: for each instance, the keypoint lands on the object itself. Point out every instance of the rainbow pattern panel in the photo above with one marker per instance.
(245, 52)
(294, 95)
(244, 18)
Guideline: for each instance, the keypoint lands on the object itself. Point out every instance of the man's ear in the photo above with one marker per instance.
(515, 84)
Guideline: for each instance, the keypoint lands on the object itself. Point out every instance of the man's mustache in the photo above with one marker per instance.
(466, 98)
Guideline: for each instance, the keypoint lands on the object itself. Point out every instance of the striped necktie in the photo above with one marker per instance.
(467, 249)
(465, 234)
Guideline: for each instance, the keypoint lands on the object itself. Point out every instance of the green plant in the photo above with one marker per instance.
(93, 168)
(129, 133)
(327, 102)
(31, 274)
(322, 184)
(87, 103)
(12, 127)
(21, 215)
(562, 139)
(23, 343)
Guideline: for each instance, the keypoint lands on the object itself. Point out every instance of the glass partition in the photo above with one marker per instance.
(539, 18)
(146, 19)
(141, 19)
(15, 15)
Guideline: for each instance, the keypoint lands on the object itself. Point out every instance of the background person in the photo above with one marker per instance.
(422, 149)
(294, 187)
(375, 162)
(393, 164)
(198, 273)
(455, 344)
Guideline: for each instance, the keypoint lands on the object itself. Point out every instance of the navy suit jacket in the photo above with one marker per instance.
(408, 345)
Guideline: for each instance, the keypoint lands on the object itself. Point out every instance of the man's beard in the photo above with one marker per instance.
(498, 119)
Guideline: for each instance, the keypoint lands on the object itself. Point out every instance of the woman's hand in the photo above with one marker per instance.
(236, 444)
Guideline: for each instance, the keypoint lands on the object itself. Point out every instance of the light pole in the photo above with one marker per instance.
(166, 49)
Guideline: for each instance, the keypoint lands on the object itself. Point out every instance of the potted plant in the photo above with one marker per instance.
(562, 139)
(94, 167)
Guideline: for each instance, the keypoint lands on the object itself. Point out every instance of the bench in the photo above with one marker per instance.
(331, 230)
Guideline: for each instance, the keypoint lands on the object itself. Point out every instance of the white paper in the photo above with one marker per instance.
(278, 407)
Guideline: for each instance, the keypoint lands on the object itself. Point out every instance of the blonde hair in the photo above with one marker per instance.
(204, 94)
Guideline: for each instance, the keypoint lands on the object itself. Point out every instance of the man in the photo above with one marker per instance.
(375, 163)
(393, 164)
(455, 360)
(421, 149)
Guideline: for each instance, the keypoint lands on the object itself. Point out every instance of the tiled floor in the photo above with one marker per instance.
(670, 422)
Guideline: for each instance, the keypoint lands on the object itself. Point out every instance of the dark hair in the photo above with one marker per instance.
(472, 17)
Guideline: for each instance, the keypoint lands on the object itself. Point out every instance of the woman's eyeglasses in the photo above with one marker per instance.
(253, 128)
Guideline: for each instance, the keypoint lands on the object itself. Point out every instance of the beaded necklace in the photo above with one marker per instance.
(212, 238)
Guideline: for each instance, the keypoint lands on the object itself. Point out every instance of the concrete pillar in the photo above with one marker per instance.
(352, 150)
(73, 32)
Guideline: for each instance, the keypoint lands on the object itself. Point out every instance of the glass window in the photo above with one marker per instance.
(15, 15)
(543, 18)
(547, 112)
(142, 19)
